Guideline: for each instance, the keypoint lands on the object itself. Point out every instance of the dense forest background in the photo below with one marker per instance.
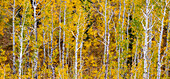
(85, 39)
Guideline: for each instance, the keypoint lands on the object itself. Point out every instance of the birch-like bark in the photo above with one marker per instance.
(76, 48)
(105, 34)
(64, 36)
(51, 62)
(59, 36)
(21, 45)
(34, 4)
(107, 61)
(146, 41)
(21, 53)
(81, 47)
(105, 39)
(150, 43)
(118, 63)
(13, 24)
(159, 46)
(59, 40)
(44, 41)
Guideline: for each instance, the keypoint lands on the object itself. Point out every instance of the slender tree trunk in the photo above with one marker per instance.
(44, 45)
(59, 40)
(76, 48)
(48, 49)
(51, 55)
(64, 36)
(118, 63)
(105, 18)
(59, 35)
(21, 53)
(159, 47)
(34, 4)
(107, 61)
(13, 24)
(81, 47)
(21, 46)
(146, 41)
(150, 43)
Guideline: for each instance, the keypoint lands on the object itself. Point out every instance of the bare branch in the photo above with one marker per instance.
(143, 25)
(73, 34)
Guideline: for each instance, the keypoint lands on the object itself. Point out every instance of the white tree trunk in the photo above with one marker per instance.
(159, 46)
(105, 39)
(64, 36)
(76, 48)
(20, 56)
(21, 45)
(44, 42)
(34, 4)
(59, 35)
(105, 34)
(146, 41)
(13, 24)
(53, 71)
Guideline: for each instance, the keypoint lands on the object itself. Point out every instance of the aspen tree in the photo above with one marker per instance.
(34, 4)
(105, 31)
(21, 47)
(160, 41)
(59, 40)
(44, 41)
(76, 47)
(21, 43)
(146, 39)
(150, 43)
(146, 30)
(51, 55)
(108, 40)
(13, 24)
(64, 35)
